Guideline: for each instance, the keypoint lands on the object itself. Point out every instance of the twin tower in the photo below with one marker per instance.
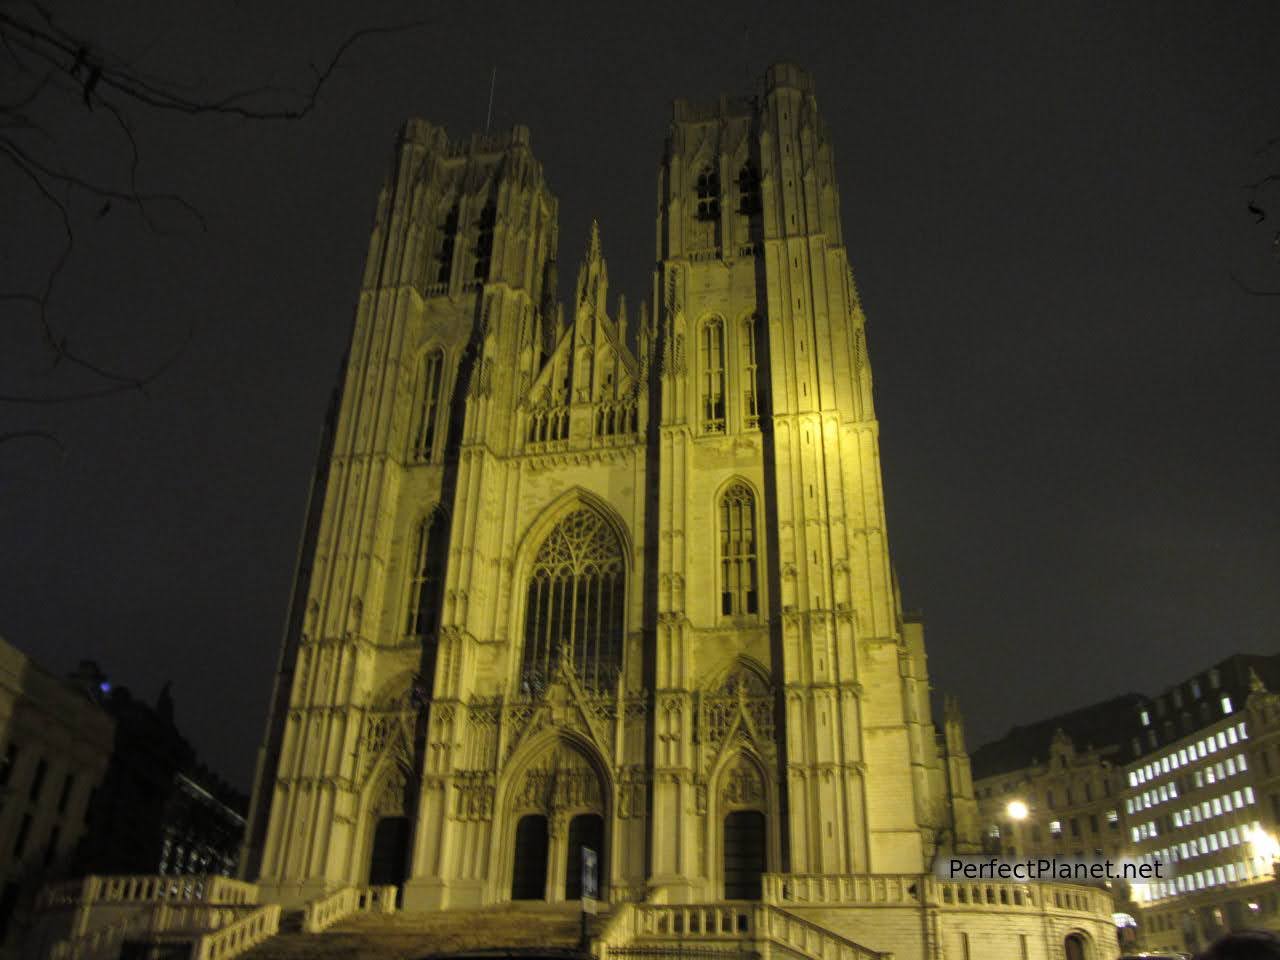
(577, 578)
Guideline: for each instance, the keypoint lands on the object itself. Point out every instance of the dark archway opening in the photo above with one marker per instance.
(744, 855)
(389, 862)
(585, 830)
(1073, 947)
(529, 881)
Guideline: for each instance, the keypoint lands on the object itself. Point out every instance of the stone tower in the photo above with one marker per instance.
(573, 581)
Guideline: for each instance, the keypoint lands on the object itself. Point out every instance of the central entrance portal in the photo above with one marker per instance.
(530, 878)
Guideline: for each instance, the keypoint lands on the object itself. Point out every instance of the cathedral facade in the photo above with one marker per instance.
(579, 578)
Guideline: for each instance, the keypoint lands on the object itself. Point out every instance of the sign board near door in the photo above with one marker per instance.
(590, 874)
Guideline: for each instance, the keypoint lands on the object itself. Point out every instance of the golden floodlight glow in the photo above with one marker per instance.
(1017, 810)
(1265, 846)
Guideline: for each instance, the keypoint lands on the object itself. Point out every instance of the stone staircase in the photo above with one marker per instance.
(493, 931)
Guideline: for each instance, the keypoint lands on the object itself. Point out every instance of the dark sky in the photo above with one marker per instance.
(1043, 205)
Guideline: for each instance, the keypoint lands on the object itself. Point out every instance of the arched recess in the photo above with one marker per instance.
(1075, 946)
(741, 783)
(384, 769)
(527, 559)
(558, 775)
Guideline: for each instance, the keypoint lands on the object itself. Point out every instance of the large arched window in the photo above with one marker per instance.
(738, 566)
(575, 606)
(427, 405)
(713, 376)
(427, 575)
(708, 194)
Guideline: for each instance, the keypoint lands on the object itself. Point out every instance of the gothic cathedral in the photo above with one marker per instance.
(578, 579)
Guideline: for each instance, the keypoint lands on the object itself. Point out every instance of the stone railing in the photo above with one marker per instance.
(617, 932)
(376, 899)
(797, 890)
(694, 921)
(163, 920)
(726, 923)
(324, 912)
(235, 938)
(144, 889)
(809, 939)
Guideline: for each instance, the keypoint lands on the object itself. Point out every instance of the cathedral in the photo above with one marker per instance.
(580, 583)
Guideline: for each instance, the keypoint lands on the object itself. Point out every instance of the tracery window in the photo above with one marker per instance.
(738, 566)
(713, 376)
(708, 194)
(484, 241)
(427, 575)
(575, 606)
(427, 405)
(444, 259)
(750, 408)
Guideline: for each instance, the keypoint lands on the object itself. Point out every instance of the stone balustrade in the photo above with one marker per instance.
(926, 890)
(235, 938)
(148, 888)
(324, 912)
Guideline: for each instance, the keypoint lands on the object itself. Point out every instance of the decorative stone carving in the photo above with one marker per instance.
(741, 785)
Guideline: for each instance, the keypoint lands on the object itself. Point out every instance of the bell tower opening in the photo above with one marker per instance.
(530, 878)
(744, 855)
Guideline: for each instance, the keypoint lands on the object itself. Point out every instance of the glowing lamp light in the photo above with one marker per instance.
(1265, 846)
(1017, 810)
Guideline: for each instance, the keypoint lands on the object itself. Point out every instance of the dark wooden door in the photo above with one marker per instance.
(585, 830)
(530, 879)
(744, 854)
(389, 862)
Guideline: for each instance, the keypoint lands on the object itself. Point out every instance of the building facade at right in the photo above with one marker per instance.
(1202, 799)
(1186, 782)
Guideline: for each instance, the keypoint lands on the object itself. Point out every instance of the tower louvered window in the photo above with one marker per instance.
(708, 194)
(427, 577)
(713, 376)
(575, 604)
(738, 592)
(750, 407)
(444, 259)
(430, 383)
(484, 242)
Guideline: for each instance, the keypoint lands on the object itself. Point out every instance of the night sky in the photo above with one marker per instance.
(1044, 208)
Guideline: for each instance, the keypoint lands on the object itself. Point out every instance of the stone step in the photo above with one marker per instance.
(412, 936)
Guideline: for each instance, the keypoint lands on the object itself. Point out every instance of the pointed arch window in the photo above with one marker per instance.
(708, 194)
(713, 376)
(484, 241)
(444, 259)
(750, 407)
(427, 577)
(427, 405)
(738, 559)
(575, 608)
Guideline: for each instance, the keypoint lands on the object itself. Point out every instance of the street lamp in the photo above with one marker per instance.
(1017, 810)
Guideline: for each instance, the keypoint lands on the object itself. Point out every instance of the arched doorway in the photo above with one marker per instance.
(389, 859)
(745, 859)
(1073, 947)
(585, 830)
(529, 881)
